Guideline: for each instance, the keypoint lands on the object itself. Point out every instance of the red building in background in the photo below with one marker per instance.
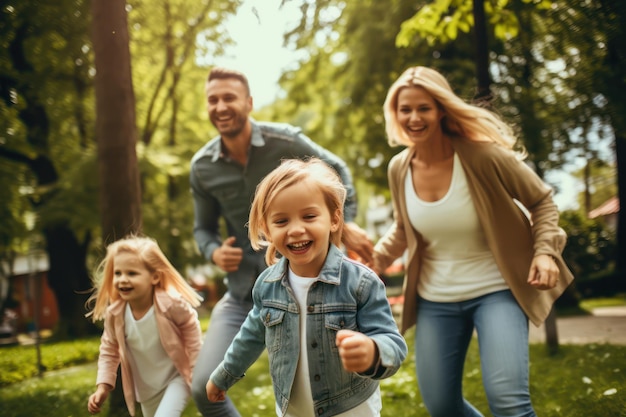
(34, 302)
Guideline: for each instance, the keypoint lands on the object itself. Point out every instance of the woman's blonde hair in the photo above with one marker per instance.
(148, 251)
(461, 119)
(294, 172)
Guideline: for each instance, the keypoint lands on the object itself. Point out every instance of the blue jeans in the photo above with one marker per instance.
(442, 337)
(226, 319)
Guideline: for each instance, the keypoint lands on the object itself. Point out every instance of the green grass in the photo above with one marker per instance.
(18, 363)
(616, 301)
(579, 381)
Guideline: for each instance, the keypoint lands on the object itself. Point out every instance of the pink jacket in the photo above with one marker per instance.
(179, 330)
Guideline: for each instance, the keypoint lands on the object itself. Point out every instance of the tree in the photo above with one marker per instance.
(42, 76)
(352, 46)
(48, 150)
(172, 42)
(612, 84)
(120, 194)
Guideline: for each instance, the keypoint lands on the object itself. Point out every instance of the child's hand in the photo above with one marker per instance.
(213, 393)
(98, 398)
(357, 351)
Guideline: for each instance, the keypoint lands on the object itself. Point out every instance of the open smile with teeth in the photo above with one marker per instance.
(125, 290)
(300, 245)
(224, 118)
(414, 129)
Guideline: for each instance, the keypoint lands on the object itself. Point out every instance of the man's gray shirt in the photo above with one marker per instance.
(223, 188)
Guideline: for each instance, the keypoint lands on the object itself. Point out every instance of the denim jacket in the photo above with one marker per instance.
(222, 188)
(347, 295)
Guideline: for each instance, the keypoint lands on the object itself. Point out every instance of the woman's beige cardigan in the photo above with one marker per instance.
(496, 178)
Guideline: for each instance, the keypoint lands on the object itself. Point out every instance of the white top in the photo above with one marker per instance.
(151, 367)
(301, 399)
(457, 264)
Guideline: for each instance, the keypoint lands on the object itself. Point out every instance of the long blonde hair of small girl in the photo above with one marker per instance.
(461, 119)
(155, 261)
(294, 172)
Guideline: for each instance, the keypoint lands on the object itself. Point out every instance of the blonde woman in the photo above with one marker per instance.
(484, 246)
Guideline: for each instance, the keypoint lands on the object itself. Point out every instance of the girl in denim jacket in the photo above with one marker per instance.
(323, 318)
(151, 329)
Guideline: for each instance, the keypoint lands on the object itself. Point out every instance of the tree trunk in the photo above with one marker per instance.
(70, 281)
(613, 85)
(120, 196)
(483, 93)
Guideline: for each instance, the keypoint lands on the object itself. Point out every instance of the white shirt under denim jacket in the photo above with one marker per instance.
(347, 295)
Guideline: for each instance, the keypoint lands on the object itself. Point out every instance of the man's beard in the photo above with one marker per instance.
(235, 129)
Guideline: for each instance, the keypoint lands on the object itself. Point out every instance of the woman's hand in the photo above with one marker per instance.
(544, 273)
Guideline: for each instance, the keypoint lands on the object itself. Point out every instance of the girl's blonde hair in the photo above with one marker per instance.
(461, 119)
(294, 172)
(148, 251)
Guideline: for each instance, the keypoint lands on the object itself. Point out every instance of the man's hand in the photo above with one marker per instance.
(213, 393)
(357, 241)
(227, 256)
(544, 272)
(357, 351)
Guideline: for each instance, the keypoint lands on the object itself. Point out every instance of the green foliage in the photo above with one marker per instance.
(19, 363)
(599, 178)
(590, 247)
(360, 60)
(440, 21)
(172, 43)
(13, 227)
(47, 59)
(43, 71)
(77, 189)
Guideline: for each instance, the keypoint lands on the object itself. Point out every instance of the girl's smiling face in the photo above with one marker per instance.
(299, 224)
(133, 281)
(419, 115)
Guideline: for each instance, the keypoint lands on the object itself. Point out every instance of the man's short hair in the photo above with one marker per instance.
(221, 73)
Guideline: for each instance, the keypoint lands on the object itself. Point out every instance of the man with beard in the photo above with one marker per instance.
(224, 175)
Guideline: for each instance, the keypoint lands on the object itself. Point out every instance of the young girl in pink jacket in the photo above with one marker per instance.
(151, 329)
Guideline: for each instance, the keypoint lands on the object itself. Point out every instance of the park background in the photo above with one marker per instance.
(102, 107)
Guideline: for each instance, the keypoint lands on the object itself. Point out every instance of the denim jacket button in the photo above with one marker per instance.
(317, 378)
(314, 345)
(311, 308)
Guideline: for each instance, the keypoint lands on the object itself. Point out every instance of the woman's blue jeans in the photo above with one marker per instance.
(442, 337)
